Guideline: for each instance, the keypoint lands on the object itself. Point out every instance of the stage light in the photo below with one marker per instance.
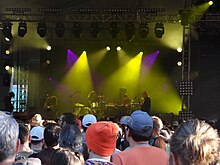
(179, 49)
(108, 48)
(7, 52)
(118, 48)
(49, 47)
(60, 30)
(7, 67)
(7, 39)
(7, 30)
(210, 3)
(22, 29)
(143, 30)
(186, 88)
(114, 29)
(129, 31)
(41, 29)
(159, 30)
(48, 62)
(141, 53)
(77, 29)
(95, 29)
(8, 64)
(179, 63)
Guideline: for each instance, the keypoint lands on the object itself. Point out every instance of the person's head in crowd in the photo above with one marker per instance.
(87, 120)
(123, 142)
(79, 123)
(24, 133)
(36, 120)
(67, 118)
(70, 137)
(101, 138)
(156, 139)
(194, 142)
(51, 134)
(37, 138)
(66, 156)
(46, 122)
(24, 137)
(139, 127)
(123, 122)
(157, 124)
(9, 142)
(175, 125)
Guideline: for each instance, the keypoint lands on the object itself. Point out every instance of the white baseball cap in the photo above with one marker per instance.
(37, 133)
(88, 119)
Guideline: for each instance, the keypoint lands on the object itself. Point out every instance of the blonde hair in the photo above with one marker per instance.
(158, 124)
(195, 142)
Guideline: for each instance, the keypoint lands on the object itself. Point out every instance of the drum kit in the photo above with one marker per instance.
(102, 108)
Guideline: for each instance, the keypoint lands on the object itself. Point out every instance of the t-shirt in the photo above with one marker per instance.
(141, 155)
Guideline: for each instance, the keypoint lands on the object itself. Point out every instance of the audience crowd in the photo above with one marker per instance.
(138, 139)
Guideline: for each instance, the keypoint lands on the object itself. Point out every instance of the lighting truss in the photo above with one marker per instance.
(94, 15)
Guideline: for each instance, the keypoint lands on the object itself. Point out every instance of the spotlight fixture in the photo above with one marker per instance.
(210, 3)
(108, 48)
(129, 31)
(118, 48)
(143, 30)
(41, 29)
(60, 30)
(159, 30)
(179, 49)
(114, 29)
(22, 29)
(95, 29)
(7, 52)
(7, 39)
(8, 64)
(77, 29)
(49, 48)
(179, 63)
(7, 30)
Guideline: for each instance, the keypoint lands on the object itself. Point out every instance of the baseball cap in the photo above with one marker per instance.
(124, 120)
(141, 123)
(37, 133)
(88, 119)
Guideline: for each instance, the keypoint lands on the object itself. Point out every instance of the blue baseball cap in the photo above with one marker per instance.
(141, 123)
(124, 120)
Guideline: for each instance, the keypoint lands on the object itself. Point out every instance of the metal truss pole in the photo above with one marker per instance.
(186, 63)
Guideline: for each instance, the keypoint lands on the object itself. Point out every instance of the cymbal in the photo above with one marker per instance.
(79, 105)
